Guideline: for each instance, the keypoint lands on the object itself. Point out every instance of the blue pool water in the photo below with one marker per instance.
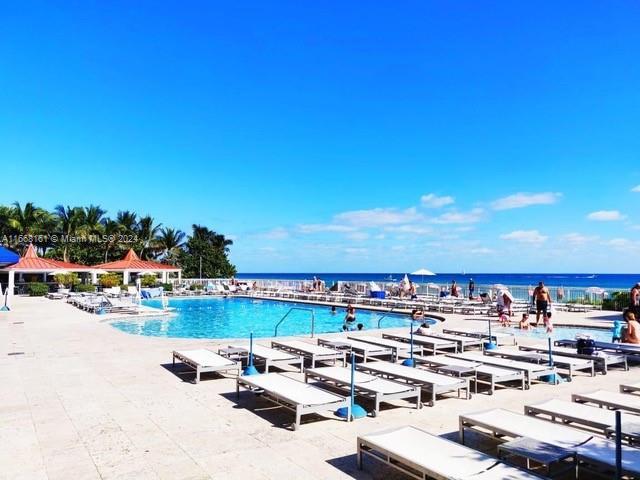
(561, 333)
(217, 317)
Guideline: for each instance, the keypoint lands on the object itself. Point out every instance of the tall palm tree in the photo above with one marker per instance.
(171, 241)
(111, 231)
(147, 235)
(93, 219)
(69, 222)
(127, 221)
(28, 220)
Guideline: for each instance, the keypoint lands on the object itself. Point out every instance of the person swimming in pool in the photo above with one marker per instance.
(349, 318)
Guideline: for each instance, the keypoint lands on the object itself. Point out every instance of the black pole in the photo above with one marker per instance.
(618, 445)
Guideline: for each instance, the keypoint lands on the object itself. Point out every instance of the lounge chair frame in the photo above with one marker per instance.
(428, 343)
(601, 362)
(602, 403)
(363, 390)
(314, 357)
(200, 369)
(431, 387)
(283, 401)
(487, 376)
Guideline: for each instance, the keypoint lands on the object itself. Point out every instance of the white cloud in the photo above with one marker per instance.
(357, 236)
(525, 236)
(471, 216)
(277, 233)
(574, 238)
(377, 217)
(623, 244)
(636, 188)
(322, 227)
(380, 236)
(415, 229)
(431, 200)
(520, 200)
(481, 251)
(606, 216)
(356, 251)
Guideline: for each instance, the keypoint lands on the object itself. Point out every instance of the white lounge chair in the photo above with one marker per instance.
(601, 360)
(398, 348)
(630, 349)
(294, 395)
(464, 342)
(423, 455)
(270, 356)
(315, 353)
(435, 345)
(595, 454)
(567, 363)
(500, 338)
(531, 371)
(203, 361)
(362, 349)
(599, 419)
(370, 386)
(630, 388)
(434, 383)
(486, 374)
(611, 400)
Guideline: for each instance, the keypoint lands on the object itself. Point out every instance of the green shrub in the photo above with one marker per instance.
(167, 287)
(617, 301)
(68, 280)
(195, 286)
(149, 281)
(84, 288)
(109, 280)
(37, 289)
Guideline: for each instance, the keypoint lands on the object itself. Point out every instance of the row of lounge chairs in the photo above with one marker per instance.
(99, 303)
(532, 436)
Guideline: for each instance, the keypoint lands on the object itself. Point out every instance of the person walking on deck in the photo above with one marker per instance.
(543, 301)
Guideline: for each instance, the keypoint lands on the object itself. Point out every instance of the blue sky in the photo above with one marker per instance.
(338, 136)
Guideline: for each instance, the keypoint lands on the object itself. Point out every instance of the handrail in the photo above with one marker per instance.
(313, 319)
(383, 316)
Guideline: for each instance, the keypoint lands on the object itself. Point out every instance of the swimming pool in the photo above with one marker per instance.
(561, 333)
(218, 317)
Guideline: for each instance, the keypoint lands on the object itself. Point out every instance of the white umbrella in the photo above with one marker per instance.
(422, 272)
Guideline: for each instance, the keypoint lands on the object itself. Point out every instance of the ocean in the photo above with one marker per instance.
(584, 280)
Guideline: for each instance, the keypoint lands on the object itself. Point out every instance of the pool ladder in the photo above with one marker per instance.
(313, 319)
(382, 317)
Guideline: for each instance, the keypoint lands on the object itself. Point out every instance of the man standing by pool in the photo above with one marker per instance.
(472, 287)
(543, 301)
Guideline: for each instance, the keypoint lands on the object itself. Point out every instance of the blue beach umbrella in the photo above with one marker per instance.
(8, 257)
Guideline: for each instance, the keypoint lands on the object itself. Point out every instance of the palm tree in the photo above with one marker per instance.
(29, 220)
(93, 219)
(70, 221)
(127, 221)
(147, 234)
(111, 231)
(171, 241)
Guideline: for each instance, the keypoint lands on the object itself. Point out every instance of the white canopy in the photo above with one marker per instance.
(422, 271)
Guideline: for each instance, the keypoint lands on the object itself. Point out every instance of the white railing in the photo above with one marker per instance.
(519, 292)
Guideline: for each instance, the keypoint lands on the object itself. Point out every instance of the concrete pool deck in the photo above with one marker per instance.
(80, 399)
